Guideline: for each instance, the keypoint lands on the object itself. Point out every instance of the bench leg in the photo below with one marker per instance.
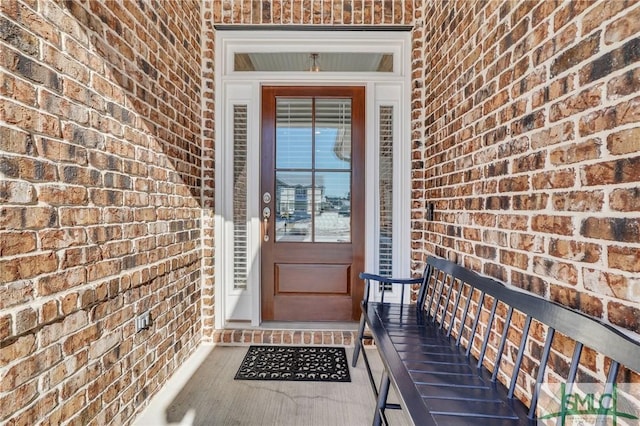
(370, 373)
(382, 400)
(359, 348)
(358, 345)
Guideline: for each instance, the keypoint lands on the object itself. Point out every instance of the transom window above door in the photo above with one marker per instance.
(314, 62)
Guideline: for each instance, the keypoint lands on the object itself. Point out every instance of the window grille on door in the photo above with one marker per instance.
(385, 184)
(240, 197)
(313, 170)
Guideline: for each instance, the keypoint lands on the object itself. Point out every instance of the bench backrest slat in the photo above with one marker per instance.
(598, 336)
(438, 299)
(435, 280)
(543, 365)
(614, 368)
(463, 319)
(612, 374)
(422, 293)
(518, 363)
(454, 312)
(503, 341)
(476, 319)
(446, 304)
(487, 333)
(575, 363)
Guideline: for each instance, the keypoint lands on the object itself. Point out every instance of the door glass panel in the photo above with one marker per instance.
(333, 212)
(293, 133)
(294, 204)
(313, 170)
(333, 134)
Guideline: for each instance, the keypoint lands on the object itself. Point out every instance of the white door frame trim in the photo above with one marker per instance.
(388, 88)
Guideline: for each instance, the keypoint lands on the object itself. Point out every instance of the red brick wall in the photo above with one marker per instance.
(314, 12)
(208, 175)
(100, 171)
(526, 139)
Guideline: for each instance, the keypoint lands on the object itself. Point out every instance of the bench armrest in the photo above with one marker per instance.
(368, 278)
(386, 280)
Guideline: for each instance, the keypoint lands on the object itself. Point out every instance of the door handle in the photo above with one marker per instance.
(266, 214)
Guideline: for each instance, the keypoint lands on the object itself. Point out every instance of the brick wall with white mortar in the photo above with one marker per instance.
(529, 147)
(526, 140)
(100, 203)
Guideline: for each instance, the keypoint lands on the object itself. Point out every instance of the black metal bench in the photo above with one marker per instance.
(441, 379)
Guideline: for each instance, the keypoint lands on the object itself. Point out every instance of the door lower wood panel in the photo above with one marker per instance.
(313, 278)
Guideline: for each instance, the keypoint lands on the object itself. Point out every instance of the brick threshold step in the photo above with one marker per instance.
(342, 334)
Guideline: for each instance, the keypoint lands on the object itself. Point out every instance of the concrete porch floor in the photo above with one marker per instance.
(203, 392)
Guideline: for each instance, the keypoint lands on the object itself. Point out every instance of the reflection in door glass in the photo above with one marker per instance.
(333, 134)
(333, 218)
(293, 133)
(294, 203)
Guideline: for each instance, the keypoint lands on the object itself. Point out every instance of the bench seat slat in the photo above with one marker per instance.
(473, 408)
(444, 369)
(435, 348)
(421, 366)
(443, 392)
(435, 359)
(440, 354)
(475, 421)
(459, 382)
(415, 334)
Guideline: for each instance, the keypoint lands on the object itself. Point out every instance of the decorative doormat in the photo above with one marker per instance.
(295, 363)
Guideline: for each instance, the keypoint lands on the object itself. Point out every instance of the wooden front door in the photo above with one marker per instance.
(312, 186)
